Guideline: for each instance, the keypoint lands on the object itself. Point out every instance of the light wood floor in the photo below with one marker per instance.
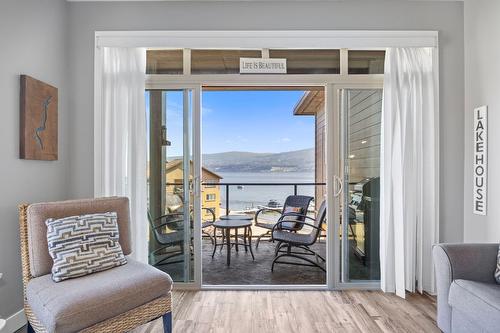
(298, 311)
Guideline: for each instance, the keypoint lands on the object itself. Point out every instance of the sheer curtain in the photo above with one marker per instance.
(123, 141)
(409, 186)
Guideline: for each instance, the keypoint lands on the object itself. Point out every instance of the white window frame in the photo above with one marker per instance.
(324, 39)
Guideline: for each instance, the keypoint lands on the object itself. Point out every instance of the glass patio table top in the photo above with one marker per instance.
(236, 217)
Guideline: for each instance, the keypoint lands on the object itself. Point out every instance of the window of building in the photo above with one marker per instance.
(210, 197)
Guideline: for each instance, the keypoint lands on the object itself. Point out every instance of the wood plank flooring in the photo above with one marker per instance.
(298, 311)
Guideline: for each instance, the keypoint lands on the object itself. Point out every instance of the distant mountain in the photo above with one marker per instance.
(238, 161)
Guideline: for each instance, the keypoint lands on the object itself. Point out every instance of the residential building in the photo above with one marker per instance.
(210, 194)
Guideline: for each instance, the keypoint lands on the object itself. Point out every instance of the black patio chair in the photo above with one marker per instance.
(290, 221)
(288, 240)
(174, 238)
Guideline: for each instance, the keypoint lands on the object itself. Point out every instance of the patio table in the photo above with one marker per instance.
(234, 222)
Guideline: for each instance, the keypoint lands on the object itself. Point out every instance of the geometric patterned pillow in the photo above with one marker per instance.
(82, 245)
(497, 271)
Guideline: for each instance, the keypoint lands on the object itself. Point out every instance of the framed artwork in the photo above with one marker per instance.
(38, 125)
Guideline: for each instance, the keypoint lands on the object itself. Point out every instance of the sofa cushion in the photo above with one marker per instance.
(479, 300)
(75, 304)
(37, 214)
(84, 244)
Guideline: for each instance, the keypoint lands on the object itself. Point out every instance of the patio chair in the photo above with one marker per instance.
(115, 300)
(175, 236)
(292, 202)
(290, 240)
(208, 224)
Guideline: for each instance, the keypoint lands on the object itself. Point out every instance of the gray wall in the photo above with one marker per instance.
(482, 87)
(446, 17)
(33, 35)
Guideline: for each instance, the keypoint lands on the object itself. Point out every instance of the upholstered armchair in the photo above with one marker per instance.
(468, 298)
(115, 300)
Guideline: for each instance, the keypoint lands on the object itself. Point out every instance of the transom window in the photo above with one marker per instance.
(299, 61)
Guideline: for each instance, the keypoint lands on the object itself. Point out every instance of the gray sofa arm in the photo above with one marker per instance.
(475, 262)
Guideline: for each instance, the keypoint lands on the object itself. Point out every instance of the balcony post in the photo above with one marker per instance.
(227, 199)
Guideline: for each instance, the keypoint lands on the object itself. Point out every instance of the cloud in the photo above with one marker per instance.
(241, 139)
(236, 140)
(283, 140)
(206, 111)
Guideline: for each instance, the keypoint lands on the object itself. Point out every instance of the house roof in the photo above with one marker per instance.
(177, 162)
(310, 103)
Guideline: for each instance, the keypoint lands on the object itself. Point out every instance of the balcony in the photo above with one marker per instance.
(243, 270)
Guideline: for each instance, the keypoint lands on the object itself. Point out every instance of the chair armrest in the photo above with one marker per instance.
(211, 212)
(158, 226)
(475, 262)
(300, 222)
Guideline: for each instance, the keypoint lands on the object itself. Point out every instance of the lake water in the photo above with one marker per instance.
(252, 196)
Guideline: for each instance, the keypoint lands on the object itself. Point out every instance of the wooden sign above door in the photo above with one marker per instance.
(262, 66)
(38, 120)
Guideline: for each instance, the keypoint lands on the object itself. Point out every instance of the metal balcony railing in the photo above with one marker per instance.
(228, 185)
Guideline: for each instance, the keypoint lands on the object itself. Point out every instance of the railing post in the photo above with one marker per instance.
(295, 189)
(227, 199)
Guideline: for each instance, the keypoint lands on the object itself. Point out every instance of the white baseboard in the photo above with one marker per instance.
(15, 322)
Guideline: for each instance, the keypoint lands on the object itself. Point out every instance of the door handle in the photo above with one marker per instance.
(196, 183)
(338, 185)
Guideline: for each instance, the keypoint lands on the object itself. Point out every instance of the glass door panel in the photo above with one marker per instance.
(170, 182)
(361, 118)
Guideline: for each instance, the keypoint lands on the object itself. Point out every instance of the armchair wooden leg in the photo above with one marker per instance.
(167, 322)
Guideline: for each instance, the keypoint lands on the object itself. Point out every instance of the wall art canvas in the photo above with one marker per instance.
(38, 132)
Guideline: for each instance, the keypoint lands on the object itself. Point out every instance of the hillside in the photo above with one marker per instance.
(237, 161)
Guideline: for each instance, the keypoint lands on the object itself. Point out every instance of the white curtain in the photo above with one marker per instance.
(124, 141)
(409, 183)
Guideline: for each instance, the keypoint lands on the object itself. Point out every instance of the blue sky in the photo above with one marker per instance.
(254, 121)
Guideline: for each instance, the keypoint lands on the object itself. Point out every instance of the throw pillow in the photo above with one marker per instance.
(497, 271)
(291, 210)
(82, 245)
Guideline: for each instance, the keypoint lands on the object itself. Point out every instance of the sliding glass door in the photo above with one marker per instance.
(361, 111)
(172, 182)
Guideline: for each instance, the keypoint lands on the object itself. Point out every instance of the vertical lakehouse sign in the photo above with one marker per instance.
(480, 160)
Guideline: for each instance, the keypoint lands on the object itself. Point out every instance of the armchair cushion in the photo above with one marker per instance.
(479, 300)
(75, 304)
(82, 245)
